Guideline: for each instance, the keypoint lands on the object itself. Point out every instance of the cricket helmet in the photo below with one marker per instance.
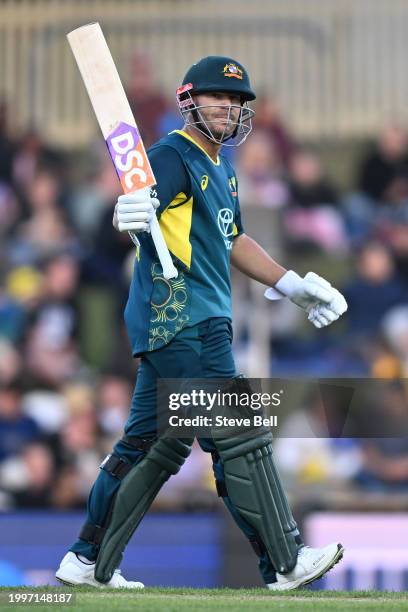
(217, 74)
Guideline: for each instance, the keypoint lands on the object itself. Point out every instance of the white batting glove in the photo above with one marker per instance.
(313, 293)
(322, 315)
(134, 211)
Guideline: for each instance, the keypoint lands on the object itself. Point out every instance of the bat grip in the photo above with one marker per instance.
(169, 269)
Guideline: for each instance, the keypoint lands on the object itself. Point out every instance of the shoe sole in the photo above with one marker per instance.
(73, 584)
(90, 584)
(320, 573)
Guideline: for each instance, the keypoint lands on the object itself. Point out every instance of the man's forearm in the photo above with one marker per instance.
(251, 259)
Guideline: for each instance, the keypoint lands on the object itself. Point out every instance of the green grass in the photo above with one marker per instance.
(180, 600)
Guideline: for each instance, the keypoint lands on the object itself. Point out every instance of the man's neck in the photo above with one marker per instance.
(212, 148)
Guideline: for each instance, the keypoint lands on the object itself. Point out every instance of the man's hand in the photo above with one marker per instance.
(322, 315)
(313, 293)
(134, 211)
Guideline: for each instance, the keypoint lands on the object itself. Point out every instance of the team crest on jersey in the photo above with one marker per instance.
(232, 182)
(232, 70)
(204, 182)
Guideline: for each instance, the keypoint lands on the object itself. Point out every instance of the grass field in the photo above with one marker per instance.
(179, 600)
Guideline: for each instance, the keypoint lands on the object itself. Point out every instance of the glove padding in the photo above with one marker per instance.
(314, 294)
(134, 211)
(322, 315)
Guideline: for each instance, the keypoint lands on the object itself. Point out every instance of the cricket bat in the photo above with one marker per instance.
(117, 123)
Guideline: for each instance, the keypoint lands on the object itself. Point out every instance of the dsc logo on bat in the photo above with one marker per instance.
(130, 159)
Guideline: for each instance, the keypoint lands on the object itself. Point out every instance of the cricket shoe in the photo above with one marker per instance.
(73, 572)
(312, 563)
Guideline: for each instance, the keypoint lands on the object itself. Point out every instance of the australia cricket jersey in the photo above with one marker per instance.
(199, 216)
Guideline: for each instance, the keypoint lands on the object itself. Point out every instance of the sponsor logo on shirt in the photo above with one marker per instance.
(226, 225)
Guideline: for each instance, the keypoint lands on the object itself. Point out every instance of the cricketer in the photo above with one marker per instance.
(181, 328)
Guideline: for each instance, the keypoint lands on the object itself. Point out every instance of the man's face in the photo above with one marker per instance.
(222, 112)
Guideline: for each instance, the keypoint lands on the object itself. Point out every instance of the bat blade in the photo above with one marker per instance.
(116, 121)
(111, 107)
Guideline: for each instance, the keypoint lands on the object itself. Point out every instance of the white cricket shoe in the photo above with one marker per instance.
(72, 571)
(312, 563)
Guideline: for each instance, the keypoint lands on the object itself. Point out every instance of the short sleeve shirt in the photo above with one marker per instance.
(200, 217)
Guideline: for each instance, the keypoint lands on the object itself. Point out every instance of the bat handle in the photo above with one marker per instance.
(169, 269)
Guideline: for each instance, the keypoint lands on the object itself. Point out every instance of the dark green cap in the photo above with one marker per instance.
(218, 73)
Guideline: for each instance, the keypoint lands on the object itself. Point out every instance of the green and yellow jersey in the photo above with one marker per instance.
(199, 216)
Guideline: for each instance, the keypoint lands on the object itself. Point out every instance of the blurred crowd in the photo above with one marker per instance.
(66, 376)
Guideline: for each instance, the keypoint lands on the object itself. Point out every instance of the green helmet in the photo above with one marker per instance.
(218, 74)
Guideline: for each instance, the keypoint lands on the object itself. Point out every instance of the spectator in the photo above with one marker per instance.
(48, 409)
(268, 120)
(52, 354)
(261, 180)
(16, 429)
(39, 478)
(312, 217)
(20, 297)
(45, 231)
(383, 175)
(381, 199)
(92, 196)
(80, 445)
(114, 399)
(32, 157)
(106, 259)
(308, 186)
(373, 291)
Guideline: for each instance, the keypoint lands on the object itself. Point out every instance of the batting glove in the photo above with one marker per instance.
(313, 293)
(322, 315)
(134, 211)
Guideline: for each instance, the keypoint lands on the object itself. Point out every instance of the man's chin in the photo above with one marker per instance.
(218, 134)
(222, 134)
